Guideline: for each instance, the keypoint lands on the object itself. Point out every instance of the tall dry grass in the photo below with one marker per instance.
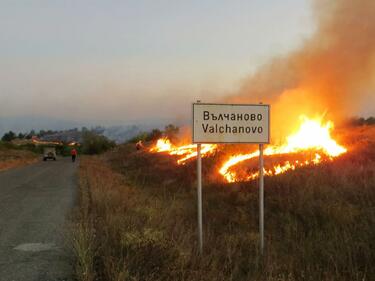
(11, 158)
(138, 220)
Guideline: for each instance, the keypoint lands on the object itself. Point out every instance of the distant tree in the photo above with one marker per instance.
(360, 121)
(30, 135)
(41, 133)
(140, 137)
(9, 136)
(154, 135)
(21, 136)
(171, 131)
(370, 121)
(93, 143)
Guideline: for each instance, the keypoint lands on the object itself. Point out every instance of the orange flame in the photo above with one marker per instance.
(186, 151)
(312, 135)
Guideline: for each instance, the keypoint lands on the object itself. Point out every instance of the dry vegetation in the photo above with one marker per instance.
(11, 158)
(137, 220)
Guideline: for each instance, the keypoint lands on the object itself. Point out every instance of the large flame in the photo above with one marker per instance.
(186, 151)
(313, 137)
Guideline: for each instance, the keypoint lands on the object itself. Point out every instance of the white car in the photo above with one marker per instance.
(49, 153)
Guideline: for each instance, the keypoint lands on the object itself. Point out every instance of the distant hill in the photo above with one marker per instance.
(27, 123)
(65, 130)
(118, 134)
(64, 136)
(123, 133)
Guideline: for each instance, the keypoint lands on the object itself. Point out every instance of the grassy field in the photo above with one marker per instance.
(11, 158)
(137, 219)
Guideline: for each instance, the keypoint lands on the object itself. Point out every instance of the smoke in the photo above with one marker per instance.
(332, 73)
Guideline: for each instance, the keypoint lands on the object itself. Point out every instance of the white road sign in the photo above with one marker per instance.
(231, 123)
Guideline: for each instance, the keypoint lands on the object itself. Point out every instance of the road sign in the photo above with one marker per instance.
(231, 123)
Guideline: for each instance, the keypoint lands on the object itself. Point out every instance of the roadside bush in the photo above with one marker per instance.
(32, 147)
(95, 144)
(28, 147)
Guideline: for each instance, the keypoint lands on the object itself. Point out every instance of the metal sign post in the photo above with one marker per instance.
(261, 199)
(231, 123)
(199, 191)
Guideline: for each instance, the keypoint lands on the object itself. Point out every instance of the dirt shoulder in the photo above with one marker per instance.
(12, 158)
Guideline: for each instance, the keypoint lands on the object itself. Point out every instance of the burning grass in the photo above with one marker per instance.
(313, 137)
(140, 215)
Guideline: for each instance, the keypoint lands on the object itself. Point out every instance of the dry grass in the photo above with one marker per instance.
(11, 158)
(138, 220)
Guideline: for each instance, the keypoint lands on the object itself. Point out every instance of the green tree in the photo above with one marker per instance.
(9, 136)
(93, 143)
(30, 135)
(41, 133)
(21, 136)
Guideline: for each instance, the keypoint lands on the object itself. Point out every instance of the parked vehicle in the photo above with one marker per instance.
(49, 153)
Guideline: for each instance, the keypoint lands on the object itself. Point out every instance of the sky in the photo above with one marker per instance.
(114, 62)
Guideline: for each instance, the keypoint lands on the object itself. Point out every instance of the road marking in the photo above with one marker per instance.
(35, 247)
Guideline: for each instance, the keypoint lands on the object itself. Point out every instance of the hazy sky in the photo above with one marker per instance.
(115, 61)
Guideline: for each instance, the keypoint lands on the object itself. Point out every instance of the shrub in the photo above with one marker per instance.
(95, 144)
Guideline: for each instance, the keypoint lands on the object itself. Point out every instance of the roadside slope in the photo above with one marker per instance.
(11, 158)
(138, 215)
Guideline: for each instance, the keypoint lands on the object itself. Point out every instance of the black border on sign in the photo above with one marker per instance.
(234, 104)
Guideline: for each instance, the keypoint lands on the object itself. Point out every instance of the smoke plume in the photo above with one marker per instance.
(332, 73)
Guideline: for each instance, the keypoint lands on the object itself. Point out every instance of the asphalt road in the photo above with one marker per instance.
(35, 201)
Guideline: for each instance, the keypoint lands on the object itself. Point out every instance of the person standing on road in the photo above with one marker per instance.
(73, 152)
